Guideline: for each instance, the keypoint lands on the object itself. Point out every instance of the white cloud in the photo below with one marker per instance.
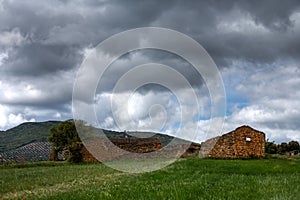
(239, 22)
(18, 119)
(41, 98)
(108, 122)
(39, 90)
(3, 117)
(11, 38)
(57, 115)
(3, 56)
(8, 119)
(156, 111)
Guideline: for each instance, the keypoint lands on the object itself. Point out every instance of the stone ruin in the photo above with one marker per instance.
(243, 142)
(127, 146)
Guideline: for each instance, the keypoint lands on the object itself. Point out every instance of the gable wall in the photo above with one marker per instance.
(234, 144)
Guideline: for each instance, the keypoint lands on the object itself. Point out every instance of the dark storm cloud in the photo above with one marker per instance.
(56, 31)
(207, 23)
(36, 59)
(272, 14)
(137, 58)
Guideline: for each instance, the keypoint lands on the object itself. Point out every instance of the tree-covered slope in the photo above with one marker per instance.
(24, 134)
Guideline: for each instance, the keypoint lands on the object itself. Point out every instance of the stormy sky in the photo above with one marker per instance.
(255, 45)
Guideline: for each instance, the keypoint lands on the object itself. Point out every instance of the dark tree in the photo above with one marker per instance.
(64, 137)
(293, 146)
(270, 147)
(283, 148)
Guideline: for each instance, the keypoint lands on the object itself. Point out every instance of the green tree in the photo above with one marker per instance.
(64, 137)
(283, 148)
(270, 147)
(293, 146)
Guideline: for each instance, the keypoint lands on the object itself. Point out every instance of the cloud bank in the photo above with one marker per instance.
(255, 44)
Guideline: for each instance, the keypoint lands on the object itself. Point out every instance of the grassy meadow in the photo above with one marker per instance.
(190, 178)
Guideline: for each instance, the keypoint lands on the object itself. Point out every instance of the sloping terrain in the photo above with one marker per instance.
(25, 133)
(31, 132)
(36, 151)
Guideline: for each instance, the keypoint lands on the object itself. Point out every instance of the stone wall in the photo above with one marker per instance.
(104, 150)
(87, 156)
(137, 145)
(244, 142)
(192, 151)
(134, 145)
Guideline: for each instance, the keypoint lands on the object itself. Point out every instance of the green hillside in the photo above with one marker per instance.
(24, 134)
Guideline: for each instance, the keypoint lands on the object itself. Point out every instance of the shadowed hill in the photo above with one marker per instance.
(24, 134)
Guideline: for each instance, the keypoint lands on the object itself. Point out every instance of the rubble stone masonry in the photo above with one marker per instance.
(244, 142)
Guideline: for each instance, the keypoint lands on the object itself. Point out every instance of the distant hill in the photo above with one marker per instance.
(31, 132)
(165, 139)
(24, 134)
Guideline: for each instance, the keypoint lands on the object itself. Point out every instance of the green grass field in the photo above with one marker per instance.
(186, 179)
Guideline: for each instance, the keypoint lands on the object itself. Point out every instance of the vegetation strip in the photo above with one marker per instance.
(189, 178)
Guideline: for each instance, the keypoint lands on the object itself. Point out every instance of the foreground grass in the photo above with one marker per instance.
(186, 179)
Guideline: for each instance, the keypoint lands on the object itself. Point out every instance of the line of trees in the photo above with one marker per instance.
(283, 148)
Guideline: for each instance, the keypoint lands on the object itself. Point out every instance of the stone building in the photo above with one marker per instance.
(244, 142)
